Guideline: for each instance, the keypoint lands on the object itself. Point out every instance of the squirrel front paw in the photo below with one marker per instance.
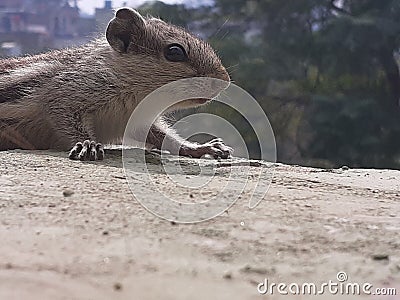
(88, 150)
(216, 148)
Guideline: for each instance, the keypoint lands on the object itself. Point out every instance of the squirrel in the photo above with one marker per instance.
(80, 98)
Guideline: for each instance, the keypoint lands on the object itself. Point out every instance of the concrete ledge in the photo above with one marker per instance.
(73, 230)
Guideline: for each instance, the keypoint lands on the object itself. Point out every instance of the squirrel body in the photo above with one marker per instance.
(78, 98)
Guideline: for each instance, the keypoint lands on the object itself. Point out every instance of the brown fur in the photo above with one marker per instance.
(53, 100)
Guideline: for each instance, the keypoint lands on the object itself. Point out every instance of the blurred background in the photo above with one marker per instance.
(326, 72)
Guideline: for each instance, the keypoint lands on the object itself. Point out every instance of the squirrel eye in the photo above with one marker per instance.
(175, 53)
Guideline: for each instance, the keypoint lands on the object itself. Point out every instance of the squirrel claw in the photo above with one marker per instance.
(88, 150)
(215, 148)
(218, 149)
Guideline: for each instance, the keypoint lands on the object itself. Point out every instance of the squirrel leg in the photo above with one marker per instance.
(166, 138)
(77, 131)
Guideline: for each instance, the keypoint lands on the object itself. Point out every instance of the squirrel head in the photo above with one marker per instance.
(164, 52)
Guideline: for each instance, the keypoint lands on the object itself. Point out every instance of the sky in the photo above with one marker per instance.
(88, 6)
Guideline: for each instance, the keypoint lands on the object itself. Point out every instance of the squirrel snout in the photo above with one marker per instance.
(223, 75)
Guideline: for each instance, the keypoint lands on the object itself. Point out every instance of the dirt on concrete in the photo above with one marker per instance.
(73, 230)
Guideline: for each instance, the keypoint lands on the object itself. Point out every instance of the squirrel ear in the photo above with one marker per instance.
(121, 29)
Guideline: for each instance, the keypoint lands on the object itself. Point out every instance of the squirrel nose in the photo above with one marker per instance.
(225, 76)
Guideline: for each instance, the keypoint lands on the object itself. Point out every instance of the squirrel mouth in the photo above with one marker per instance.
(190, 103)
(200, 100)
(196, 101)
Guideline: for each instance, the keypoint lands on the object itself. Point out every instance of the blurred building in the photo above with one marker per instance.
(103, 16)
(32, 26)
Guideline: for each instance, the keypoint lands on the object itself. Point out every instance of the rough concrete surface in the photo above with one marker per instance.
(73, 230)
